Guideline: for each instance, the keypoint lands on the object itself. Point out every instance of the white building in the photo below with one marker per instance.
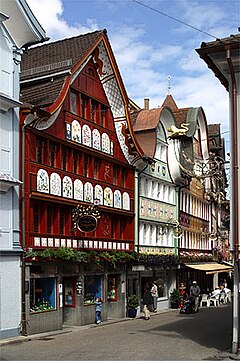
(18, 29)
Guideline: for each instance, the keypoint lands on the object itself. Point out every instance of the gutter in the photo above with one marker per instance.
(235, 210)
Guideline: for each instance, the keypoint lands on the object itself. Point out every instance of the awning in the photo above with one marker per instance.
(210, 267)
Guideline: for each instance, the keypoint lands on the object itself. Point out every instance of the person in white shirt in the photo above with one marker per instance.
(154, 293)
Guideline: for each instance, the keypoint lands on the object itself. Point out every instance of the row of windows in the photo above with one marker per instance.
(74, 161)
(161, 152)
(89, 109)
(58, 221)
(157, 190)
(155, 235)
(194, 206)
(192, 240)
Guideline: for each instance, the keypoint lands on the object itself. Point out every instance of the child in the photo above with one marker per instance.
(98, 304)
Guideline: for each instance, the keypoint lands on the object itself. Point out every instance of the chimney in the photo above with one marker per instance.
(146, 103)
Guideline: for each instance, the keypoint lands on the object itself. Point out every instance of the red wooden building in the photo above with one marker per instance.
(78, 151)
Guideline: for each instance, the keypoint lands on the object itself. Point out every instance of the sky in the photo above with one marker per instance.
(152, 40)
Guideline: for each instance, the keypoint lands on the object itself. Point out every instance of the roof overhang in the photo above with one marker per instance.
(210, 267)
(6, 102)
(7, 181)
(28, 30)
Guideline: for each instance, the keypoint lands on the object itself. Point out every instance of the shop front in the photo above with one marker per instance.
(64, 293)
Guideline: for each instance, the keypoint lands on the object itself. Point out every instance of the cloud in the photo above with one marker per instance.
(53, 22)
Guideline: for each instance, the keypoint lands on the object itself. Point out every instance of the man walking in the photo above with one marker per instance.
(154, 293)
(195, 293)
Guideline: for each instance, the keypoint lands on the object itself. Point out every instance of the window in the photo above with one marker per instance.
(52, 154)
(112, 286)
(96, 168)
(103, 115)
(69, 293)
(36, 219)
(39, 150)
(93, 110)
(64, 158)
(73, 102)
(92, 288)
(84, 104)
(75, 161)
(42, 294)
(115, 174)
(62, 221)
(86, 165)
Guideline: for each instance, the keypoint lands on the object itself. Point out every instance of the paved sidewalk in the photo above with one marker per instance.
(67, 329)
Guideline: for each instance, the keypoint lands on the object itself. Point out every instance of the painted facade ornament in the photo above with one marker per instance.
(55, 184)
(42, 181)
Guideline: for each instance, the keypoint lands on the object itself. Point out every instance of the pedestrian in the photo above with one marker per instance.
(147, 303)
(154, 293)
(195, 294)
(98, 304)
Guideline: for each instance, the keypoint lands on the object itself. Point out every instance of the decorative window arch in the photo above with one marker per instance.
(67, 187)
(98, 193)
(86, 135)
(96, 139)
(42, 181)
(78, 189)
(76, 131)
(108, 197)
(105, 143)
(55, 184)
(117, 199)
(88, 192)
(126, 201)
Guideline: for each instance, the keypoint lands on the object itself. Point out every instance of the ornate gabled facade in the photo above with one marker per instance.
(196, 174)
(18, 28)
(80, 153)
(157, 203)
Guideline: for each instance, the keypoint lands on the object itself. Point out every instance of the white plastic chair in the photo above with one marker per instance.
(205, 300)
(214, 300)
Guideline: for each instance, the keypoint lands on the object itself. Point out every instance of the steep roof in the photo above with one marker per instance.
(44, 68)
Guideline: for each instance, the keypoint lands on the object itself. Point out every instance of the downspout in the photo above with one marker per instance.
(235, 211)
(24, 312)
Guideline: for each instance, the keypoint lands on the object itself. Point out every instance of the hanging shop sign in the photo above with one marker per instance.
(85, 218)
(87, 223)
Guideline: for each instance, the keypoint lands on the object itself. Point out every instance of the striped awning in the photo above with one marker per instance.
(210, 267)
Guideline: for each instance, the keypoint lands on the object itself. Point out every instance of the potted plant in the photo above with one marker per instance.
(132, 304)
(174, 298)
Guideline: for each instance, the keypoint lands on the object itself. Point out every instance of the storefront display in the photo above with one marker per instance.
(112, 288)
(42, 294)
(92, 288)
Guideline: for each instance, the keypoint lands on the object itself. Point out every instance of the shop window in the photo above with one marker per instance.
(92, 288)
(42, 294)
(69, 293)
(112, 288)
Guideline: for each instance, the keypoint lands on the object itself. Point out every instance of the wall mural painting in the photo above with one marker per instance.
(42, 181)
(86, 135)
(78, 190)
(55, 184)
(82, 192)
(126, 201)
(88, 192)
(98, 194)
(117, 199)
(76, 131)
(68, 131)
(105, 143)
(108, 197)
(96, 139)
(67, 187)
